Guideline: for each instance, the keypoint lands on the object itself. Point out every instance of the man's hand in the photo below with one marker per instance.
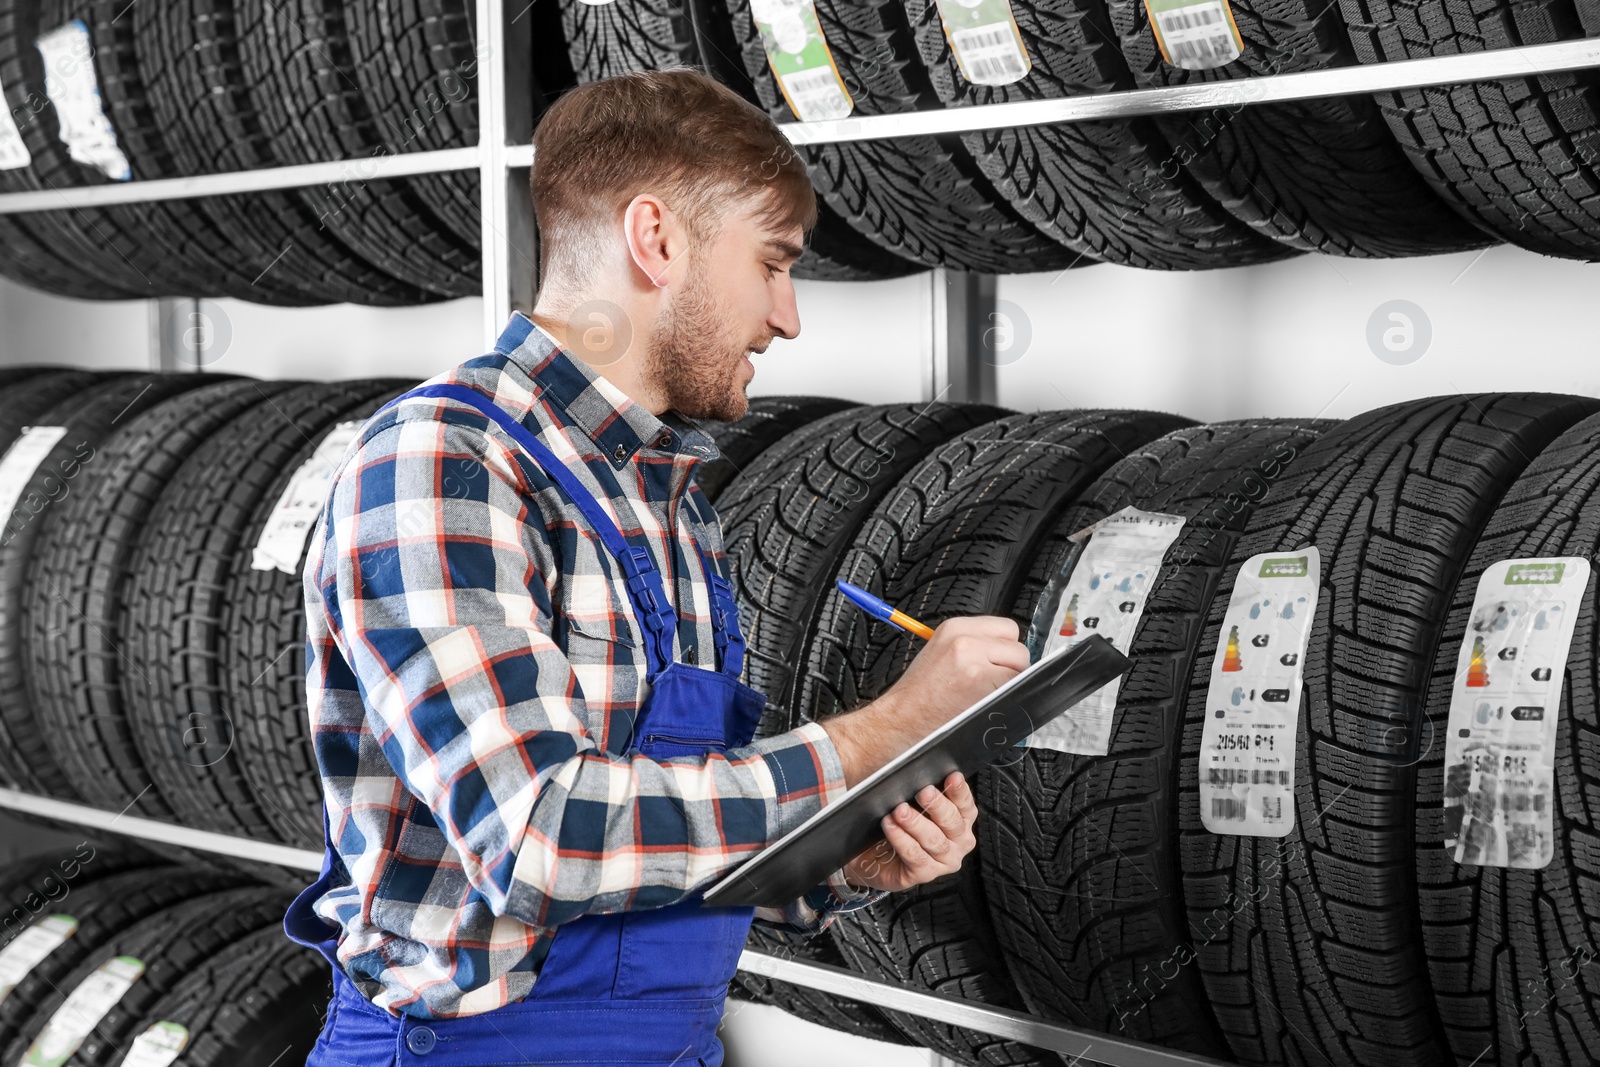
(919, 846)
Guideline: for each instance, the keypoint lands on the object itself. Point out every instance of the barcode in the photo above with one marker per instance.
(1225, 776)
(1198, 36)
(1272, 809)
(1188, 20)
(1227, 808)
(815, 94)
(1207, 51)
(991, 55)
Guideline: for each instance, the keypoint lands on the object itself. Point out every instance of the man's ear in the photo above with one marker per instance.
(655, 238)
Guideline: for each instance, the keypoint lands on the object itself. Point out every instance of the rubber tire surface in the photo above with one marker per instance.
(924, 199)
(1321, 175)
(171, 943)
(261, 655)
(767, 421)
(1096, 187)
(75, 593)
(298, 64)
(1079, 852)
(256, 1003)
(960, 535)
(183, 719)
(1518, 155)
(792, 515)
(814, 1006)
(1512, 954)
(1322, 960)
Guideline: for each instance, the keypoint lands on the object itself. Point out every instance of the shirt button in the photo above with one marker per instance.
(619, 453)
(666, 439)
(421, 1040)
(688, 654)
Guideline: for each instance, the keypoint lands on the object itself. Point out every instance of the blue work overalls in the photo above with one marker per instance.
(632, 989)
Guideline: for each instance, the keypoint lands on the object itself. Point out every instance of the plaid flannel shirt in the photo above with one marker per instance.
(474, 670)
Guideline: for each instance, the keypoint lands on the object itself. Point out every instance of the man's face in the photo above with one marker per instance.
(734, 298)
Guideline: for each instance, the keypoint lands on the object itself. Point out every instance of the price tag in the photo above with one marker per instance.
(800, 59)
(70, 82)
(1195, 34)
(984, 38)
(283, 538)
(14, 153)
(1102, 590)
(21, 460)
(30, 947)
(1253, 701)
(1500, 750)
(82, 1011)
(158, 1046)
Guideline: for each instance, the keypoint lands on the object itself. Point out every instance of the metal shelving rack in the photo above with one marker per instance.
(953, 368)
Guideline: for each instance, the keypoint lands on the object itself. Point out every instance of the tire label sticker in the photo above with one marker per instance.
(984, 38)
(1107, 581)
(283, 538)
(29, 948)
(70, 82)
(21, 461)
(82, 1011)
(158, 1046)
(14, 153)
(1253, 702)
(800, 60)
(1500, 748)
(1195, 34)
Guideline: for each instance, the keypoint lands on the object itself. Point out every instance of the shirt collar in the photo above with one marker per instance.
(617, 424)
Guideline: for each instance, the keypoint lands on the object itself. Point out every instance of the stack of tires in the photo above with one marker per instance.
(101, 92)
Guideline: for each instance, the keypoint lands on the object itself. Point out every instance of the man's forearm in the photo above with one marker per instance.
(871, 736)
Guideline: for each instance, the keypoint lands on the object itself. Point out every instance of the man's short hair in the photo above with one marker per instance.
(675, 133)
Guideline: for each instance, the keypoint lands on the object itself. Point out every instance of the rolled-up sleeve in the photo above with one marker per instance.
(439, 571)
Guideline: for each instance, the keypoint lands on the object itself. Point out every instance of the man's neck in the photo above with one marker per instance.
(622, 372)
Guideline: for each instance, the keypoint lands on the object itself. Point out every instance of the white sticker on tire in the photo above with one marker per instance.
(283, 538)
(14, 154)
(1195, 34)
(984, 38)
(800, 60)
(1500, 749)
(1104, 594)
(1253, 702)
(21, 461)
(70, 82)
(82, 1011)
(158, 1046)
(29, 948)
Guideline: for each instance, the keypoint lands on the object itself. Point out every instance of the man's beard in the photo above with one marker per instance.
(692, 360)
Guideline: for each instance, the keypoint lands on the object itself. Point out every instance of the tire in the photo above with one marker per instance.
(170, 943)
(32, 886)
(312, 109)
(106, 909)
(1079, 853)
(1517, 156)
(172, 612)
(189, 53)
(923, 199)
(793, 513)
(88, 418)
(256, 1003)
(261, 652)
(814, 1006)
(1511, 952)
(1096, 187)
(75, 592)
(767, 420)
(1393, 500)
(10, 376)
(1319, 175)
(961, 534)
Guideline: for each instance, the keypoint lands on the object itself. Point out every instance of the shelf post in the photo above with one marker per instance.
(505, 117)
(958, 367)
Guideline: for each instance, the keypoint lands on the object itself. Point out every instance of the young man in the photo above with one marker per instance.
(524, 651)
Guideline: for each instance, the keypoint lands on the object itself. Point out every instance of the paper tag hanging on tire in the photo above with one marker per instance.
(82, 1011)
(14, 154)
(1253, 702)
(70, 82)
(1102, 590)
(1195, 34)
(800, 60)
(283, 538)
(158, 1046)
(985, 40)
(29, 948)
(1500, 748)
(21, 461)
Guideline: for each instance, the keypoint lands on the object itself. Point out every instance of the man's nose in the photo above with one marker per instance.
(785, 318)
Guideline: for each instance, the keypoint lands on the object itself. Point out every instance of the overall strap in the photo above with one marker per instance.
(724, 620)
(643, 580)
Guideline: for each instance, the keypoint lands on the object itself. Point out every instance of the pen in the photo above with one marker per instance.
(879, 610)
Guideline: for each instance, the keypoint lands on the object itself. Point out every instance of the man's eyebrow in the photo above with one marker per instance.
(784, 248)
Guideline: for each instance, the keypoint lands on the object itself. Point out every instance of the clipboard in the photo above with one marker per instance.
(804, 858)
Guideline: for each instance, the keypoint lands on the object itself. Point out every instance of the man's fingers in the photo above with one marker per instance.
(923, 830)
(942, 811)
(960, 794)
(913, 857)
